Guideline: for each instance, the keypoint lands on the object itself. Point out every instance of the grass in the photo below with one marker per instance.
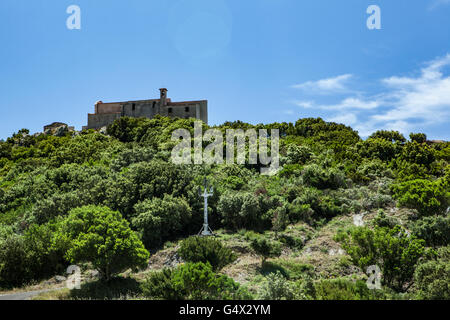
(32, 287)
(116, 289)
(293, 269)
(63, 294)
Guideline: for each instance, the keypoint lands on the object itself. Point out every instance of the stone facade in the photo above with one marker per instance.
(106, 113)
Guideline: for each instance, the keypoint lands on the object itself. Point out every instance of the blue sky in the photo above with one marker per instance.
(253, 60)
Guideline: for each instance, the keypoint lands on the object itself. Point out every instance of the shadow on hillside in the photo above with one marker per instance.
(270, 267)
(117, 288)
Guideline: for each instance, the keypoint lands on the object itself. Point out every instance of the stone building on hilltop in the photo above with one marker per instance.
(106, 113)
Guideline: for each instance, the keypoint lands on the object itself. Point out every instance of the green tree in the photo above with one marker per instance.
(427, 197)
(245, 210)
(380, 148)
(14, 261)
(435, 230)
(158, 219)
(265, 248)
(102, 237)
(419, 153)
(392, 249)
(391, 136)
(432, 276)
(418, 137)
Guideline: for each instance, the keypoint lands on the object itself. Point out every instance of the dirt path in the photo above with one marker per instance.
(23, 295)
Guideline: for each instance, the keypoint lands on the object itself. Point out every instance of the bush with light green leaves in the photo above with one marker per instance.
(102, 237)
(392, 249)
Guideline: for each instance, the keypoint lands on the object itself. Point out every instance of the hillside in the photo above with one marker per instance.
(114, 204)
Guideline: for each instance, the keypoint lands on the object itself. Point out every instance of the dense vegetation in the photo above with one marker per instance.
(105, 201)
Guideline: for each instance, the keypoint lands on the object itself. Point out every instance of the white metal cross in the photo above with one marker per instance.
(206, 230)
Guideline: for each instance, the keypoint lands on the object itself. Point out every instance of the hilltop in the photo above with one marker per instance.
(113, 202)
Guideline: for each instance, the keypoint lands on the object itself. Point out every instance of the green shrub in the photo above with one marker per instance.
(14, 262)
(392, 250)
(198, 281)
(276, 287)
(144, 181)
(427, 197)
(388, 135)
(116, 288)
(56, 205)
(125, 128)
(382, 220)
(245, 210)
(280, 219)
(418, 137)
(159, 219)
(46, 250)
(33, 256)
(291, 170)
(129, 156)
(159, 285)
(435, 230)
(314, 204)
(297, 155)
(299, 211)
(265, 248)
(419, 153)
(379, 148)
(290, 241)
(304, 288)
(341, 289)
(102, 237)
(206, 249)
(192, 281)
(323, 178)
(372, 169)
(433, 276)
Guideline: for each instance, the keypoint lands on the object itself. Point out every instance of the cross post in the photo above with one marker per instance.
(206, 230)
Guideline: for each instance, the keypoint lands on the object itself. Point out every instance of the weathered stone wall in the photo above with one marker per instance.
(106, 113)
(184, 110)
(108, 108)
(96, 121)
(146, 109)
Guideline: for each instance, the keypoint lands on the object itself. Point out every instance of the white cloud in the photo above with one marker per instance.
(324, 86)
(352, 103)
(346, 104)
(426, 97)
(437, 3)
(406, 102)
(304, 104)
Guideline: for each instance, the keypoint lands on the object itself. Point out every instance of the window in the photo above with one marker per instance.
(170, 110)
(186, 109)
(133, 106)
